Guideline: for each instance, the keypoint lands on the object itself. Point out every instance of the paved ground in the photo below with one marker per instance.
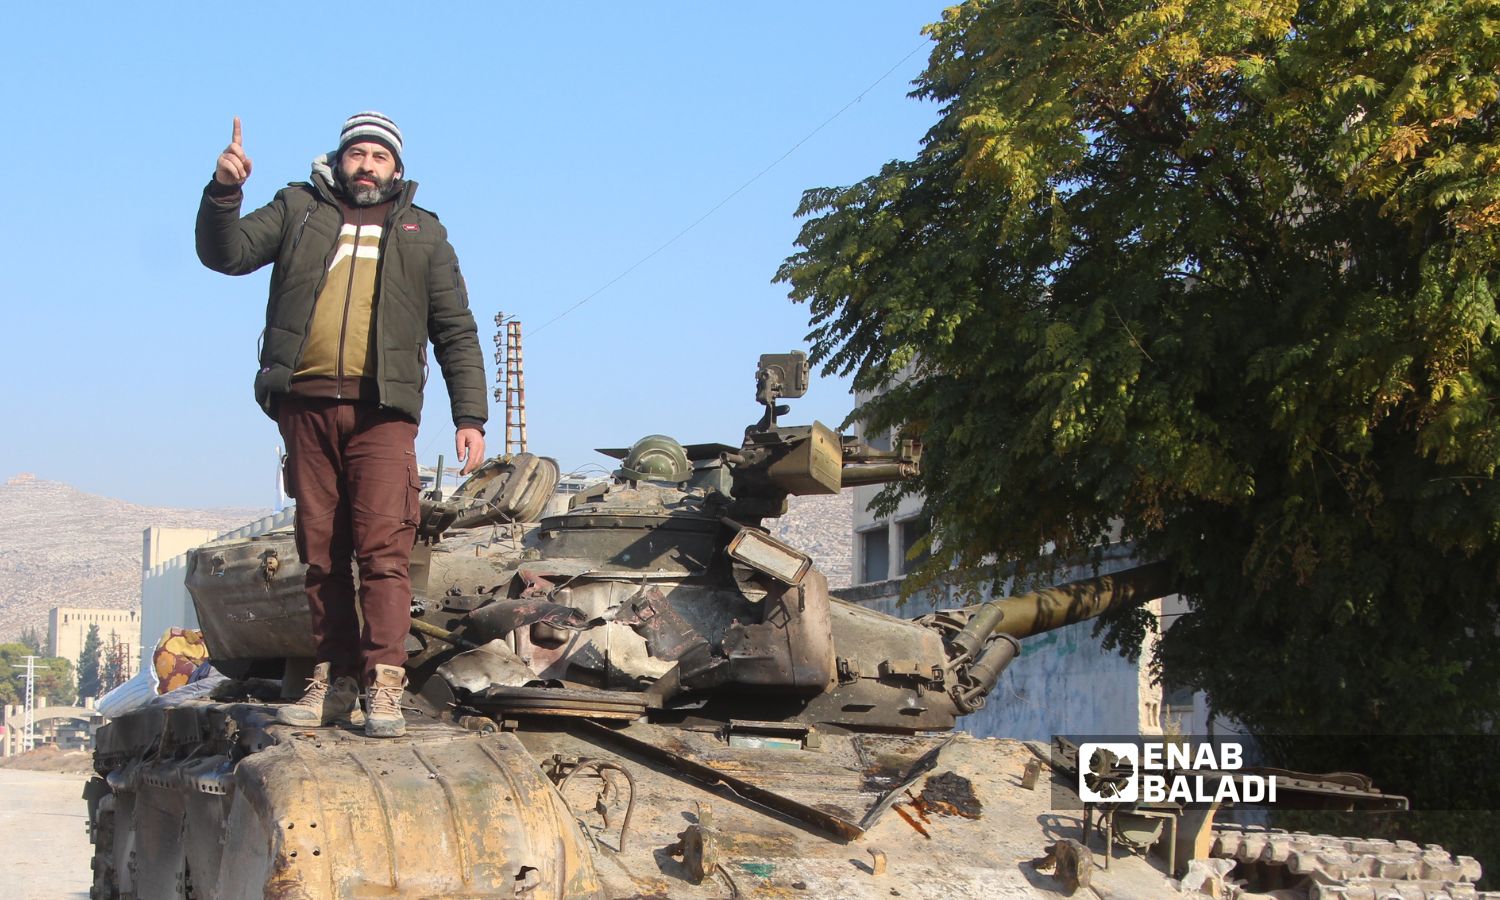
(42, 828)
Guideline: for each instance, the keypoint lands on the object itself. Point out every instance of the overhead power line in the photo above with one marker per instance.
(732, 194)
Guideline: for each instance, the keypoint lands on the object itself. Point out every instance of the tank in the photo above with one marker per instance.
(642, 694)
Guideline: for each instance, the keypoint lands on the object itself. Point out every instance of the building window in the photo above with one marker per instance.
(912, 531)
(875, 554)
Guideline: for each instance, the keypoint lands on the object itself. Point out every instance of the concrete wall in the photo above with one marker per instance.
(165, 603)
(158, 545)
(1064, 682)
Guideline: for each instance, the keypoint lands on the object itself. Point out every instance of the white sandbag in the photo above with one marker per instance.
(130, 695)
(193, 690)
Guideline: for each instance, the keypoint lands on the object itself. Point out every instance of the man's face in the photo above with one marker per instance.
(368, 169)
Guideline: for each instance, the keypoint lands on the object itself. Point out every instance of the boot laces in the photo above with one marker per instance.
(317, 692)
(385, 700)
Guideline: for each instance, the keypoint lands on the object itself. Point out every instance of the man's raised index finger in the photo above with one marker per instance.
(236, 138)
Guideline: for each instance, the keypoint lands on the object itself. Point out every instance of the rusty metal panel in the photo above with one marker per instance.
(329, 815)
(681, 823)
(248, 606)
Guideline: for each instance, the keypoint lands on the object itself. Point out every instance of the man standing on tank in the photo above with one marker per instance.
(361, 280)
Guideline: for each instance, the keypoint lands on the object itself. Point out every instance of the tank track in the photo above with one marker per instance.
(1348, 868)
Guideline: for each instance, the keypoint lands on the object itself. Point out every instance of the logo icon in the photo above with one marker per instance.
(410, 226)
(1109, 773)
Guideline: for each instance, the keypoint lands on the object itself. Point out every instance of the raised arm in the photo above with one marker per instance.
(226, 242)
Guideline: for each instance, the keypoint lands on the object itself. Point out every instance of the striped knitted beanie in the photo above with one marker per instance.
(371, 126)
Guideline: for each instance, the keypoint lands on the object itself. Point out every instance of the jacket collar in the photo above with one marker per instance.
(323, 184)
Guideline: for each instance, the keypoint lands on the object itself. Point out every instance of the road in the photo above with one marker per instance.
(43, 824)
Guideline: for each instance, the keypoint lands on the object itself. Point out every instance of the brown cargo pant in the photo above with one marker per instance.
(352, 468)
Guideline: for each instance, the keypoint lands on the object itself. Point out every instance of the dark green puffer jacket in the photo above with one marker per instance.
(420, 293)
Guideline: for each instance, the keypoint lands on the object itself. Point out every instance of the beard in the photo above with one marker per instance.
(378, 191)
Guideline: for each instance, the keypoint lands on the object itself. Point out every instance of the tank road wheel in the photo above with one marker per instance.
(1344, 866)
(188, 893)
(102, 833)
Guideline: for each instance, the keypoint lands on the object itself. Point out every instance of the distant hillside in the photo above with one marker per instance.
(822, 527)
(62, 547)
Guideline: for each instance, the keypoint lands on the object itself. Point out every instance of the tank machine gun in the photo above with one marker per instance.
(584, 685)
(779, 460)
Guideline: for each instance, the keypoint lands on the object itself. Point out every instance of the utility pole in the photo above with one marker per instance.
(28, 739)
(510, 378)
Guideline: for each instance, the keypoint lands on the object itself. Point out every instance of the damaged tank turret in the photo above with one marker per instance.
(643, 694)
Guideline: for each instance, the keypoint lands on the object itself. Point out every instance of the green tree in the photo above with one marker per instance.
(32, 639)
(1223, 273)
(54, 675)
(112, 665)
(88, 664)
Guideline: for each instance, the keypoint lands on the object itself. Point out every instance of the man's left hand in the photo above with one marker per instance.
(469, 444)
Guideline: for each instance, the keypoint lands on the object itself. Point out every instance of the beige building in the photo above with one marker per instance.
(159, 545)
(882, 545)
(68, 627)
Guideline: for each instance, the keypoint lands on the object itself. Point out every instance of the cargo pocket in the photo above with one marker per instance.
(413, 496)
(287, 486)
(299, 535)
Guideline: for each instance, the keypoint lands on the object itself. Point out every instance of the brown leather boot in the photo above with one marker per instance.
(383, 702)
(324, 703)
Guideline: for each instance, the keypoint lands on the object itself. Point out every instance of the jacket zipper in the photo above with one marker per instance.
(297, 238)
(348, 301)
(375, 317)
(260, 344)
(323, 277)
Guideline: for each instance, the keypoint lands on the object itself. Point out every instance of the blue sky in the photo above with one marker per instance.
(560, 144)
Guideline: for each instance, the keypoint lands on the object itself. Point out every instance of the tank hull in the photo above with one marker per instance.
(250, 809)
(560, 807)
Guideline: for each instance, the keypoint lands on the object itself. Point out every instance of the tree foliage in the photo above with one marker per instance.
(54, 676)
(1224, 273)
(88, 664)
(113, 665)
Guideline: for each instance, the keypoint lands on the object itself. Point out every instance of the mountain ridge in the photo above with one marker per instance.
(60, 546)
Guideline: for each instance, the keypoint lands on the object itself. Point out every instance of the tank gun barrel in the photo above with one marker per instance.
(857, 475)
(1034, 612)
(990, 636)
